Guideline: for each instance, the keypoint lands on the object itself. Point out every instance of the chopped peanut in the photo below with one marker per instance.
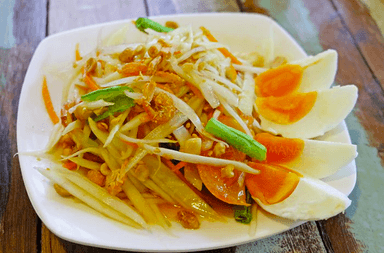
(154, 50)
(219, 149)
(104, 169)
(152, 66)
(188, 220)
(127, 55)
(90, 66)
(102, 126)
(227, 171)
(193, 146)
(133, 69)
(206, 145)
(171, 24)
(96, 177)
(161, 109)
(139, 50)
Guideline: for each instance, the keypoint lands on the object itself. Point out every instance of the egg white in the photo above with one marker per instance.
(320, 71)
(331, 107)
(311, 200)
(322, 158)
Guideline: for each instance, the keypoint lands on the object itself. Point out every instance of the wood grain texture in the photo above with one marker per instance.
(65, 15)
(304, 238)
(365, 33)
(18, 228)
(346, 231)
(158, 7)
(322, 26)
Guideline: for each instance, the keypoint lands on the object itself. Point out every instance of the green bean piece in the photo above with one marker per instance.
(144, 23)
(243, 214)
(237, 139)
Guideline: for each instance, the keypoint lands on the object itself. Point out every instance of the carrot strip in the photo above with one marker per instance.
(77, 53)
(223, 50)
(169, 164)
(180, 165)
(70, 165)
(90, 82)
(134, 145)
(194, 90)
(48, 103)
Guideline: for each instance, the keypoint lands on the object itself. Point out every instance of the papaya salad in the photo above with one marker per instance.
(179, 128)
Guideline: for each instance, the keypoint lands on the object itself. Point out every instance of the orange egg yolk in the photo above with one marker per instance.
(288, 109)
(274, 183)
(279, 149)
(279, 81)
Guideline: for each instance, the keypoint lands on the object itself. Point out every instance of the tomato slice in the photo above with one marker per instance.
(226, 189)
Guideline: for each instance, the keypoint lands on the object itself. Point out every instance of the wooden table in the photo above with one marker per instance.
(344, 25)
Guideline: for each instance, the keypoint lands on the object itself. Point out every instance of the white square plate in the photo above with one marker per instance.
(76, 222)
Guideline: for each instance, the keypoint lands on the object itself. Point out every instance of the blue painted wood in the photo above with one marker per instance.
(23, 27)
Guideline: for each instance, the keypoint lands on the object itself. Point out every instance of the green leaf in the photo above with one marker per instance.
(237, 139)
(107, 94)
(144, 23)
(122, 103)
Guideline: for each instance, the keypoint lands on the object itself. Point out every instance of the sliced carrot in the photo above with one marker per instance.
(180, 165)
(48, 103)
(223, 50)
(77, 53)
(90, 82)
(70, 165)
(169, 164)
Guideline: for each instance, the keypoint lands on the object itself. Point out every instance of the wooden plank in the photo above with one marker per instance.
(304, 238)
(156, 7)
(65, 15)
(25, 27)
(365, 33)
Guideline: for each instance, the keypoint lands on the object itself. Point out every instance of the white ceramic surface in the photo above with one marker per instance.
(74, 221)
